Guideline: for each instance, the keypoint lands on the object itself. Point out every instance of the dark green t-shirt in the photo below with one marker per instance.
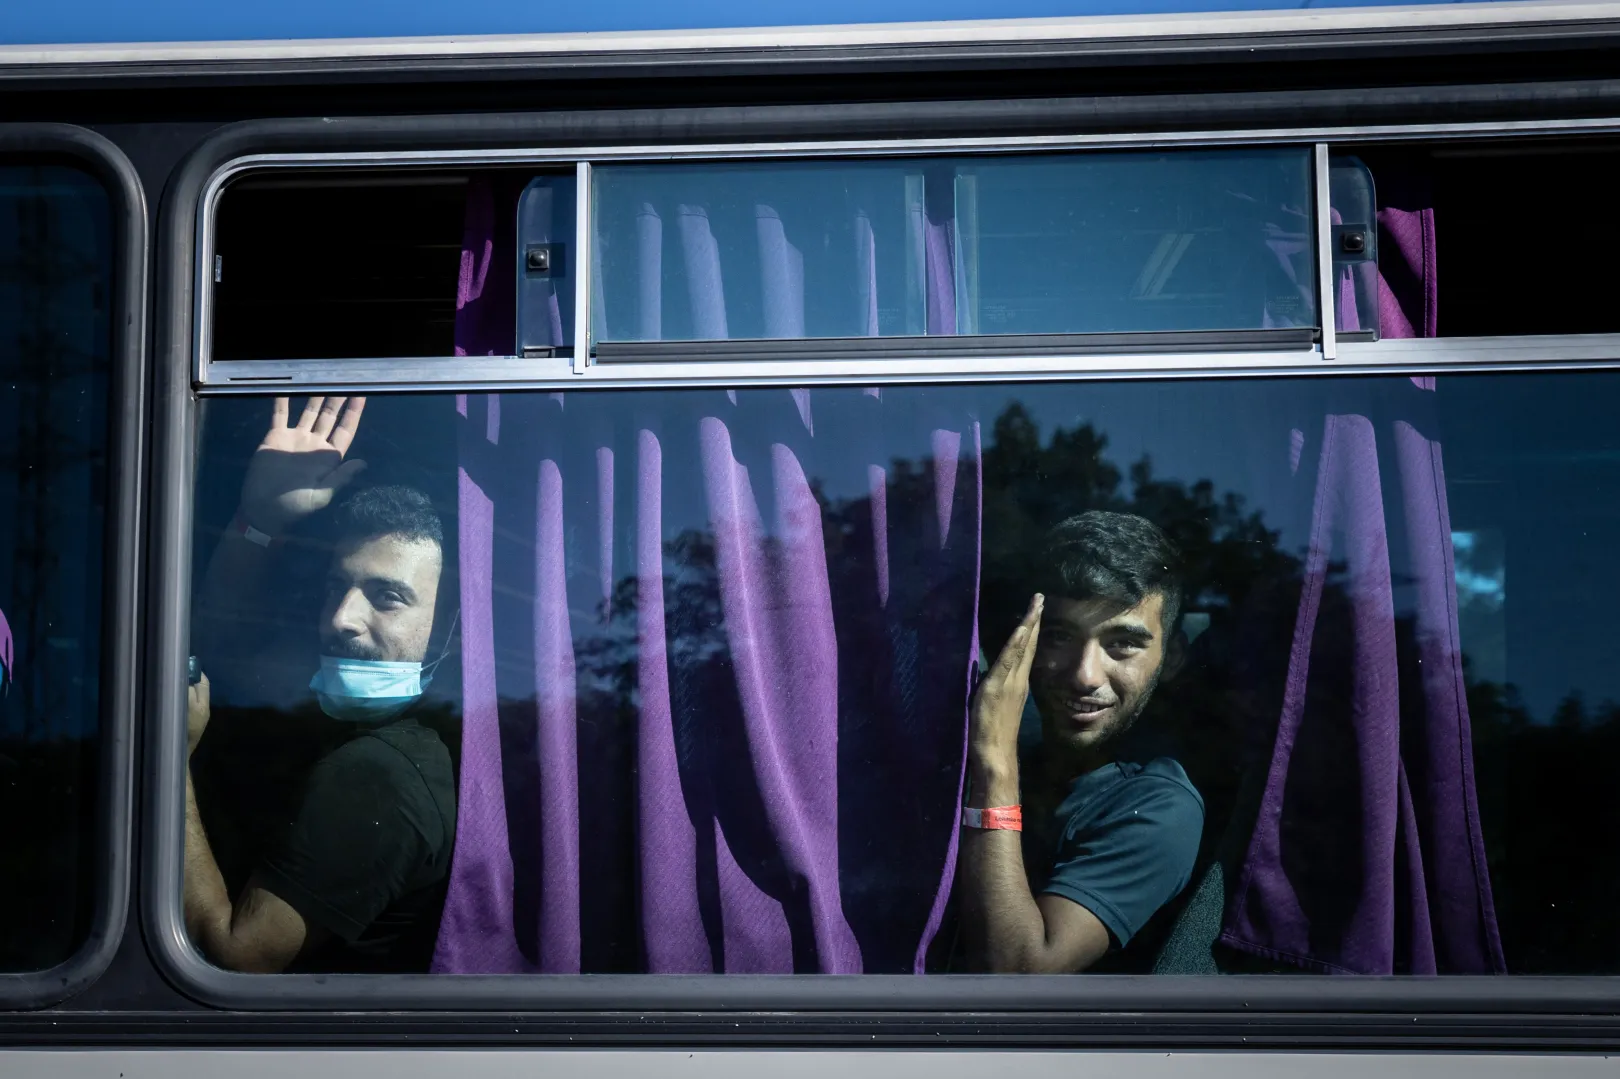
(1126, 837)
(351, 826)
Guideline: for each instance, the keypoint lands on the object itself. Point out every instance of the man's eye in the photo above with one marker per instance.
(390, 599)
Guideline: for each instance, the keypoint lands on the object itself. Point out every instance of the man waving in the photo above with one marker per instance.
(336, 860)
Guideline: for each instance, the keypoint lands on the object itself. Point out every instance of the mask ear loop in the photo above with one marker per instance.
(444, 652)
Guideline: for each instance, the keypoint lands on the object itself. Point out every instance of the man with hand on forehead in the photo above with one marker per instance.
(332, 831)
(1063, 862)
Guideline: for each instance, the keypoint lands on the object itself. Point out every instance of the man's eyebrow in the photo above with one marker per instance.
(1136, 631)
(393, 584)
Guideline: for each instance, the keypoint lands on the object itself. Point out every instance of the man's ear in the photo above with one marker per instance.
(1175, 655)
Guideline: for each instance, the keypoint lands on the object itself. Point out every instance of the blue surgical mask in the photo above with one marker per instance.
(367, 690)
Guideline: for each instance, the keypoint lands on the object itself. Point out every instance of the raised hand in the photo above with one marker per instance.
(998, 703)
(299, 468)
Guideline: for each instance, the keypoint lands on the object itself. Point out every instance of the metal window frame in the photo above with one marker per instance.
(121, 557)
(868, 359)
(552, 138)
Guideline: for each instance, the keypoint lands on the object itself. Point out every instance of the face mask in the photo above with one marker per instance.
(367, 690)
(374, 690)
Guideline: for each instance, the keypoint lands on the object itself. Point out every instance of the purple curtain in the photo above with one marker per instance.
(1407, 289)
(1367, 855)
(934, 229)
(6, 657)
(486, 299)
(715, 668)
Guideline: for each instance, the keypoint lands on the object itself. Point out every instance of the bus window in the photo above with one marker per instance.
(1188, 675)
(56, 255)
(680, 680)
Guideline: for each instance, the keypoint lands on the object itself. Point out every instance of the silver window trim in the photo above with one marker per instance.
(584, 262)
(1326, 312)
(578, 371)
(474, 373)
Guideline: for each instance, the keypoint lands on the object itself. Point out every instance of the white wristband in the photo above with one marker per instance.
(251, 534)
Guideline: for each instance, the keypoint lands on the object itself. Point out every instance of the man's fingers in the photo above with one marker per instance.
(348, 423)
(326, 418)
(1031, 636)
(278, 413)
(342, 474)
(1007, 661)
(1019, 651)
(312, 409)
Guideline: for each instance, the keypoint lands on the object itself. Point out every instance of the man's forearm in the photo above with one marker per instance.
(207, 902)
(231, 605)
(1006, 932)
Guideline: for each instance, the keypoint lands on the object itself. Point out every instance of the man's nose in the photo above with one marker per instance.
(348, 617)
(1090, 673)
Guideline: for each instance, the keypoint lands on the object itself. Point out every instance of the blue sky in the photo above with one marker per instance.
(62, 21)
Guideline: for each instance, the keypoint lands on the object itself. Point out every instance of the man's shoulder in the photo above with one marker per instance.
(1160, 773)
(1159, 786)
(402, 754)
(408, 738)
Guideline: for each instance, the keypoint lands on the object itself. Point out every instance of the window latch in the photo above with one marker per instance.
(543, 260)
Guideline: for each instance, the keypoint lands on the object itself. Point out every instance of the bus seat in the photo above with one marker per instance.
(1189, 948)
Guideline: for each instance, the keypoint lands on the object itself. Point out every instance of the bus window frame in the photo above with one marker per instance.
(122, 551)
(879, 359)
(184, 380)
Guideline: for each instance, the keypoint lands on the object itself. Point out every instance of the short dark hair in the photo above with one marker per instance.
(393, 510)
(1117, 556)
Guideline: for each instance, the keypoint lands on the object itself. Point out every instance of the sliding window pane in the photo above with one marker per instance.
(1048, 244)
(807, 249)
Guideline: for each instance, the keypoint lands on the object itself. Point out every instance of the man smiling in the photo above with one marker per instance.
(1110, 840)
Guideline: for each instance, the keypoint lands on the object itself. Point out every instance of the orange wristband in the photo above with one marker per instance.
(1004, 818)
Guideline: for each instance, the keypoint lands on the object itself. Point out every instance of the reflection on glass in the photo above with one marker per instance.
(1082, 243)
(55, 344)
(707, 695)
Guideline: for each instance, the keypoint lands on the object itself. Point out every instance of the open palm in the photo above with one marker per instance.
(299, 468)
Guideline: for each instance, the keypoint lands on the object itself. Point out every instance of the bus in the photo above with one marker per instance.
(608, 545)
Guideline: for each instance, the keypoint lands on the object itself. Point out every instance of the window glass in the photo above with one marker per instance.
(55, 347)
(1052, 244)
(682, 680)
(1354, 244)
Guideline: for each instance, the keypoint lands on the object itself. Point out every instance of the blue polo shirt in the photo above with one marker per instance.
(1127, 837)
